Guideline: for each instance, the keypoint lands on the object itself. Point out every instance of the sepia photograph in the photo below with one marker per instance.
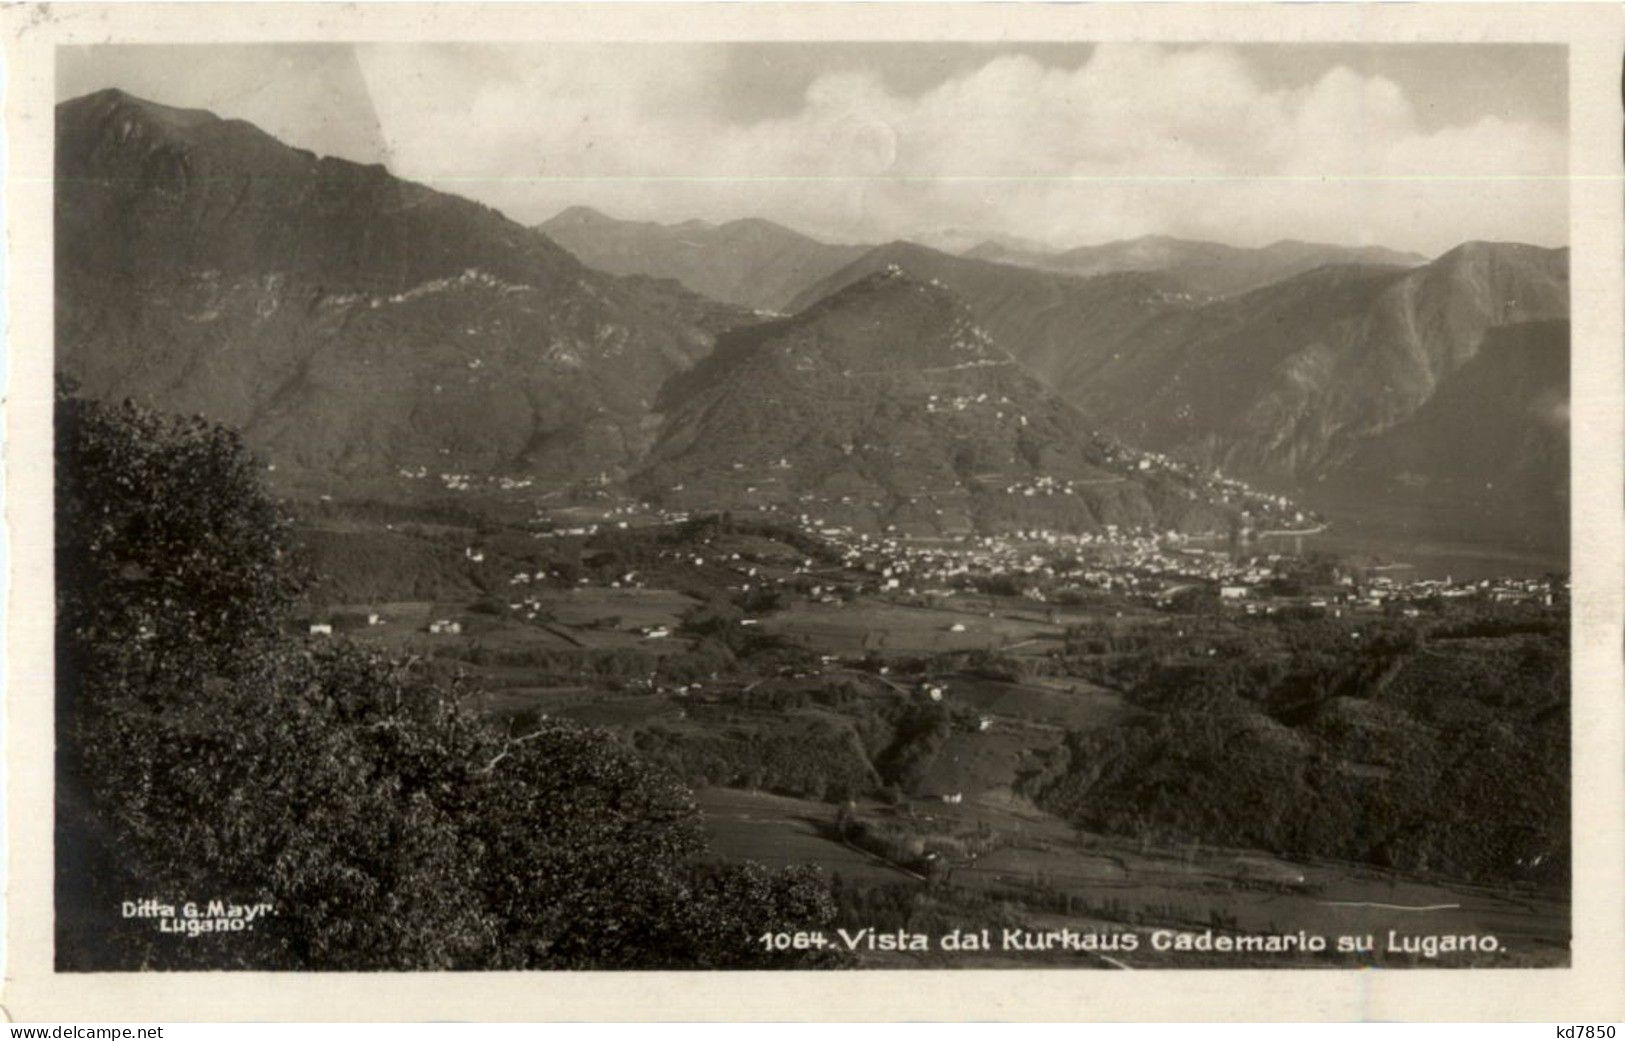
(845, 504)
(763, 505)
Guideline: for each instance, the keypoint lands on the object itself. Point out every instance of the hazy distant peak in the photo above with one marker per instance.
(579, 216)
(1334, 253)
(1295, 246)
(997, 244)
(1166, 240)
(755, 229)
(750, 262)
(990, 248)
(758, 224)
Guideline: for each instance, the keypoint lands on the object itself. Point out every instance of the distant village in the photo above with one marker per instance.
(1045, 566)
(1049, 567)
(1235, 571)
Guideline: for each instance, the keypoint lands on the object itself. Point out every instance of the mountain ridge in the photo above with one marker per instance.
(885, 405)
(346, 320)
(749, 262)
(1211, 268)
(353, 323)
(1275, 384)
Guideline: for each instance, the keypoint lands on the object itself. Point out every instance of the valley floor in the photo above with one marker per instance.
(1098, 762)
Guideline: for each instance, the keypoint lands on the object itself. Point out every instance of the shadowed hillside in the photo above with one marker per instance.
(1062, 327)
(1287, 380)
(1493, 439)
(1282, 382)
(347, 321)
(886, 402)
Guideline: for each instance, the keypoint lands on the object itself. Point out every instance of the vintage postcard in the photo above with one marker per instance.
(997, 511)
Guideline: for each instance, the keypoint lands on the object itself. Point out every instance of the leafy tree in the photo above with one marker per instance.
(331, 784)
(170, 558)
(921, 735)
(736, 904)
(205, 756)
(172, 574)
(585, 845)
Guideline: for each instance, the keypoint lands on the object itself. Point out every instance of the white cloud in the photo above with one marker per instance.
(1136, 140)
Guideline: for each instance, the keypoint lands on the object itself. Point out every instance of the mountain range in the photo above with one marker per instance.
(346, 320)
(885, 404)
(750, 263)
(352, 323)
(1059, 326)
(356, 325)
(1209, 268)
(1285, 381)
(1279, 383)
(758, 264)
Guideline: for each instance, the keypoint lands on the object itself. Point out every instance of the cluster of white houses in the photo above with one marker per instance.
(1045, 564)
(1152, 565)
(1040, 563)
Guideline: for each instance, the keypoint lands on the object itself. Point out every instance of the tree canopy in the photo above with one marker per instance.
(207, 753)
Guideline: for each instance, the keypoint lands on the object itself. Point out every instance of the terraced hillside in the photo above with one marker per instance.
(1281, 383)
(890, 405)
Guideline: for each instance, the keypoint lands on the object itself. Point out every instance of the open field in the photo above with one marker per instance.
(582, 704)
(779, 831)
(1012, 763)
(594, 617)
(1064, 701)
(874, 625)
(1046, 876)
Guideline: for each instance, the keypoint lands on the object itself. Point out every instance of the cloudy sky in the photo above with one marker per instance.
(1411, 146)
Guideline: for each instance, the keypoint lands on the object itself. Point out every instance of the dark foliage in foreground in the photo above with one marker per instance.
(1437, 748)
(206, 757)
